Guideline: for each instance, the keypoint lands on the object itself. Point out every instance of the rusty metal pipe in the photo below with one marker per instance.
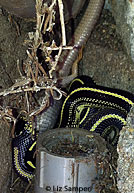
(81, 35)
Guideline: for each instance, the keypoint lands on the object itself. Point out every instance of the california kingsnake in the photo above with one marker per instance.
(96, 108)
(23, 149)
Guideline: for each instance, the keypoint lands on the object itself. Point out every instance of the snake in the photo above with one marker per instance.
(96, 108)
(24, 148)
(88, 106)
(80, 37)
(24, 143)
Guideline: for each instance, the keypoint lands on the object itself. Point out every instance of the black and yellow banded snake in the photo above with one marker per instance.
(101, 105)
(89, 106)
(96, 108)
(23, 149)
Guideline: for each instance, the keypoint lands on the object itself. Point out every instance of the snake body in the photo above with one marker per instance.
(66, 60)
(96, 108)
(81, 35)
(88, 106)
(24, 143)
(23, 149)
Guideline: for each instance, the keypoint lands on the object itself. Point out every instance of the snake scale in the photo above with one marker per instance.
(89, 106)
(23, 149)
(96, 108)
(24, 143)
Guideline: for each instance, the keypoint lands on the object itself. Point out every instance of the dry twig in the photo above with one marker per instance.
(36, 77)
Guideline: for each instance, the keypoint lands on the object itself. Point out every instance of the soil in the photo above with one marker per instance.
(104, 59)
(72, 147)
(69, 149)
(13, 34)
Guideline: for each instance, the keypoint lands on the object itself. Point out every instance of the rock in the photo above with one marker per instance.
(123, 12)
(125, 150)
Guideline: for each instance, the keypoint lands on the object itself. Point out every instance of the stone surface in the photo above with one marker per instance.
(104, 57)
(125, 150)
(123, 12)
(5, 157)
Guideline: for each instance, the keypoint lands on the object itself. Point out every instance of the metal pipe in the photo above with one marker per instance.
(60, 169)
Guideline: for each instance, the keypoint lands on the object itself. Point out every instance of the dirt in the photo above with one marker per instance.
(12, 48)
(104, 59)
(72, 148)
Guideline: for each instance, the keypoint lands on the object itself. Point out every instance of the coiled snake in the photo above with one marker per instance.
(96, 108)
(89, 106)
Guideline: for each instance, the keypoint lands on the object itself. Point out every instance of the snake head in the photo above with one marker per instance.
(23, 125)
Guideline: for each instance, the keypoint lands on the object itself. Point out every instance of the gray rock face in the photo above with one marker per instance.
(123, 12)
(126, 157)
(5, 158)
